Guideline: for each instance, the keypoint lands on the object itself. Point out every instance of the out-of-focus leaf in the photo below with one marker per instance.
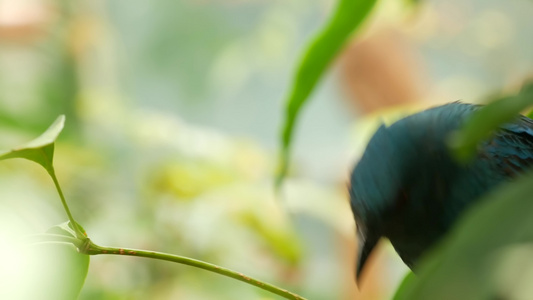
(58, 271)
(64, 269)
(49, 267)
(406, 282)
(469, 262)
(348, 17)
(530, 114)
(41, 149)
(487, 119)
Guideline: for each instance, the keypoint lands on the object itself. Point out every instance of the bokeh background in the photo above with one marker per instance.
(173, 116)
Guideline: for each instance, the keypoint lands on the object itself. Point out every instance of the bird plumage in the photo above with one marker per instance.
(408, 187)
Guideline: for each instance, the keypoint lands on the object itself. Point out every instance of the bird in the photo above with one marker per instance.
(408, 187)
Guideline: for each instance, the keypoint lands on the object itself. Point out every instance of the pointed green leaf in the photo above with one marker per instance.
(488, 253)
(348, 17)
(487, 119)
(41, 149)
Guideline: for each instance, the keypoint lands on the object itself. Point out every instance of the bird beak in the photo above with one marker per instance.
(366, 243)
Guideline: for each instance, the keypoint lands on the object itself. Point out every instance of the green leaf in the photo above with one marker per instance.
(488, 254)
(530, 114)
(41, 149)
(66, 229)
(49, 266)
(405, 284)
(486, 120)
(58, 271)
(347, 18)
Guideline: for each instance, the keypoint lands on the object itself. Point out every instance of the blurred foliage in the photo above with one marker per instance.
(487, 256)
(479, 127)
(347, 18)
(44, 74)
(52, 270)
(139, 177)
(170, 141)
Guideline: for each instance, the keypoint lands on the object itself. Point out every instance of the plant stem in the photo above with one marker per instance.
(79, 233)
(93, 249)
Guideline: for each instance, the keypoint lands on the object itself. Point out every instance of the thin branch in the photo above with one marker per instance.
(93, 249)
(79, 233)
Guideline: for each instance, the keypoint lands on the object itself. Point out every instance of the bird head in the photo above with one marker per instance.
(375, 182)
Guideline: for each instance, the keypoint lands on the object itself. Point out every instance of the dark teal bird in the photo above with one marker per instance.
(408, 188)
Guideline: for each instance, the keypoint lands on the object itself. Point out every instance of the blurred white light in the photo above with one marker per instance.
(14, 263)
